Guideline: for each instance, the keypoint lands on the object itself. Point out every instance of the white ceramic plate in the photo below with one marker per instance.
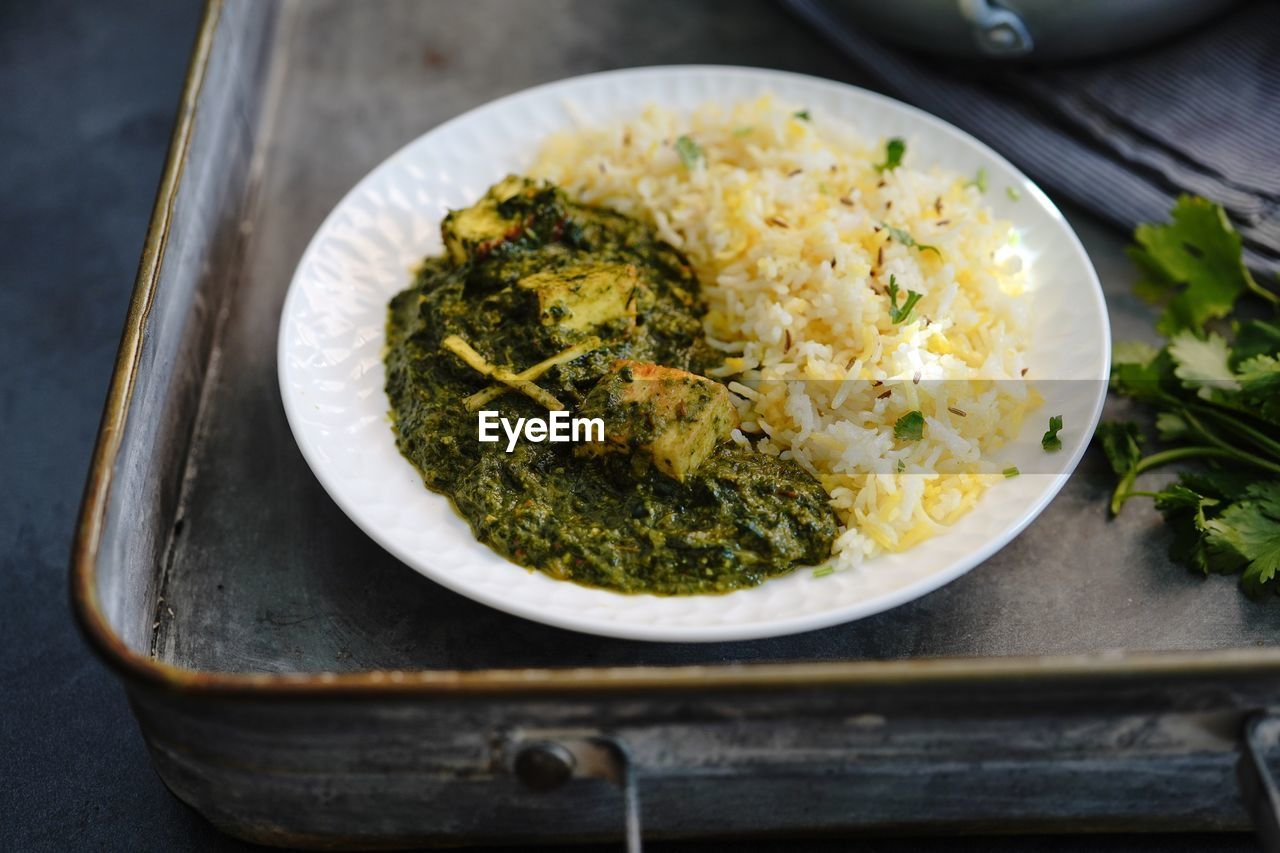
(331, 341)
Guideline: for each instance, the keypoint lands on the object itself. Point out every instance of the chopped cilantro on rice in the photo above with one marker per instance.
(787, 228)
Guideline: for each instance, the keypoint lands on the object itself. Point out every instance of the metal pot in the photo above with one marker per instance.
(1039, 29)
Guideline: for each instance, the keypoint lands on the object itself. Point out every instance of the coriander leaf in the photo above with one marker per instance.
(909, 427)
(1198, 251)
(1255, 337)
(1050, 442)
(1259, 383)
(1152, 285)
(1216, 481)
(1172, 426)
(1184, 513)
(690, 152)
(1133, 352)
(1247, 535)
(1138, 370)
(1133, 367)
(1180, 496)
(1215, 400)
(905, 238)
(803, 115)
(900, 314)
(1121, 441)
(893, 151)
(1202, 363)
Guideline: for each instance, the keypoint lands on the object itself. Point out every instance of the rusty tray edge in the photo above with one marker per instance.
(140, 668)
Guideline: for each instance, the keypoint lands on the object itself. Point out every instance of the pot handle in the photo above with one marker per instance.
(997, 31)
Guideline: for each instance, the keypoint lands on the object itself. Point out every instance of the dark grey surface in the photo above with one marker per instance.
(88, 92)
(269, 575)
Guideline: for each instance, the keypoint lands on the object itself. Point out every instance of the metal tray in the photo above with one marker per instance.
(297, 685)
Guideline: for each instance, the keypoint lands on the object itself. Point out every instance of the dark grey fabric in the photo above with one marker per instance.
(1122, 136)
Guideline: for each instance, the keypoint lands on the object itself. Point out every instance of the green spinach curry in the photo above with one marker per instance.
(542, 303)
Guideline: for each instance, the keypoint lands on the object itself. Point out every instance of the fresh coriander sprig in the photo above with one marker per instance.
(689, 152)
(1050, 442)
(1193, 264)
(1215, 397)
(900, 313)
(894, 149)
(909, 427)
(905, 238)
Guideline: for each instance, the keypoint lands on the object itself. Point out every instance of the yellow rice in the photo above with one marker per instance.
(783, 219)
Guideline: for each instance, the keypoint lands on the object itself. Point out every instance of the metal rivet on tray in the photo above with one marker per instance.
(544, 766)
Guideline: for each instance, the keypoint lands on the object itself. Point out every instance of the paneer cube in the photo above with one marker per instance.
(674, 416)
(485, 224)
(584, 297)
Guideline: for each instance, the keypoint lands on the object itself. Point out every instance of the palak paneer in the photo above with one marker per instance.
(540, 302)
